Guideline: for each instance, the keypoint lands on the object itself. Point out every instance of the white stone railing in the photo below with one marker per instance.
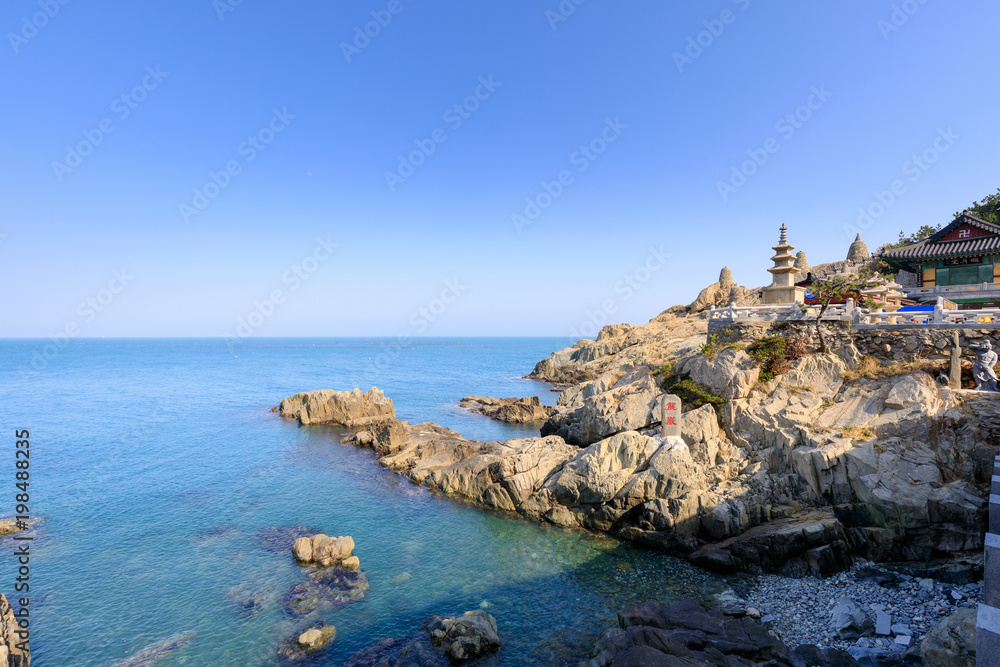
(787, 312)
(954, 290)
(856, 316)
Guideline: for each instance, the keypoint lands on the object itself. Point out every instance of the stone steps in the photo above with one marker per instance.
(988, 618)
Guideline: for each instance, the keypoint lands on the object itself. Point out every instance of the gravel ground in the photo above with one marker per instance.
(800, 609)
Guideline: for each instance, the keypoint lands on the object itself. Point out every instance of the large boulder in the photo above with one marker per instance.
(322, 549)
(345, 408)
(849, 621)
(952, 642)
(684, 634)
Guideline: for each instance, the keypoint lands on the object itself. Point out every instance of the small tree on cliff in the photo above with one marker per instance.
(988, 209)
(835, 289)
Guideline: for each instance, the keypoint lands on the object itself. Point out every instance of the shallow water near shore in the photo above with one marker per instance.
(160, 476)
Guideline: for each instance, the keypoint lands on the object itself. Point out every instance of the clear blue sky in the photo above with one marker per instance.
(889, 89)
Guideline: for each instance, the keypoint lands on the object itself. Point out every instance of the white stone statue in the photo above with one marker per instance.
(982, 370)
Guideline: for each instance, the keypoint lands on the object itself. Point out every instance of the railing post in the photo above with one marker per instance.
(938, 314)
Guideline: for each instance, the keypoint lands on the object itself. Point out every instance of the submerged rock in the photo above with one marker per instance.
(413, 651)
(465, 637)
(345, 408)
(306, 646)
(152, 653)
(440, 641)
(510, 410)
(249, 599)
(324, 588)
(279, 539)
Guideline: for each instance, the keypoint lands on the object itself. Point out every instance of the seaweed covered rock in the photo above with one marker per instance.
(324, 588)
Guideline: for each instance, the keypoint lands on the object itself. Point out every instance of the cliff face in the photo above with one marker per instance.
(893, 468)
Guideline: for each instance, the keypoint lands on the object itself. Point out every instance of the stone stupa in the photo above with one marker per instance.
(858, 251)
(782, 288)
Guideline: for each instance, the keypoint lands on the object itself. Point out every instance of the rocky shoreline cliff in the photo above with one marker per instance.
(789, 462)
(796, 474)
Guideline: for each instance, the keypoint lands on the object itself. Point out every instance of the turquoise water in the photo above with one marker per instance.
(156, 464)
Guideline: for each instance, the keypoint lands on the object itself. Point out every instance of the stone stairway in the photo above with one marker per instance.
(988, 621)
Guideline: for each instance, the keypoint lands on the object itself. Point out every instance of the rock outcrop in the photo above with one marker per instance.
(14, 651)
(723, 293)
(665, 339)
(684, 634)
(322, 549)
(344, 408)
(613, 403)
(641, 487)
(510, 410)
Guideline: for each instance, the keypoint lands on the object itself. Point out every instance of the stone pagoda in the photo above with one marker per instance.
(783, 289)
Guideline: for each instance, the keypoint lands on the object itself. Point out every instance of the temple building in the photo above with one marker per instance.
(960, 262)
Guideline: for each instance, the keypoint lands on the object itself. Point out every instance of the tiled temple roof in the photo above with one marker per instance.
(932, 248)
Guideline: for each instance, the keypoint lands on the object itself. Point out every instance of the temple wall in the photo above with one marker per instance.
(896, 344)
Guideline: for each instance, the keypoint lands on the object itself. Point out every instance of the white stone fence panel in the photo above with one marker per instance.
(858, 317)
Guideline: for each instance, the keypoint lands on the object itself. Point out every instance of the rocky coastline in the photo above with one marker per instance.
(788, 465)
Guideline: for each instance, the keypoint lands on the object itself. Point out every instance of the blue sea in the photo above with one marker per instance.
(159, 473)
